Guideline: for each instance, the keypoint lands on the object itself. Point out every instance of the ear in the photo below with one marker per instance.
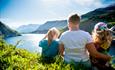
(70, 24)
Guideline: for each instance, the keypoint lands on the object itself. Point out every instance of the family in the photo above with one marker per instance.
(78, 45)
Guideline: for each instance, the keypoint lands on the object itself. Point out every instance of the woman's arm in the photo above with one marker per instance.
(94, 53)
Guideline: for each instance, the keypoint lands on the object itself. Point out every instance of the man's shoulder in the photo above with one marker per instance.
(82, 31)
(79, 31)
(66, 32)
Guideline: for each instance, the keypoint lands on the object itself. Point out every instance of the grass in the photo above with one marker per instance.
(12, 58)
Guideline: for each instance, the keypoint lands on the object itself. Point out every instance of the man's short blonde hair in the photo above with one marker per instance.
(75, 19)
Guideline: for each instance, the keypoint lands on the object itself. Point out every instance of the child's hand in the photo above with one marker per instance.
(112, 60)
(107, 64)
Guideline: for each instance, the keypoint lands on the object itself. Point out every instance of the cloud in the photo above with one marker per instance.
(82, 3)
(40, 11)
(89, 3)
(57, 7)
(55, 2)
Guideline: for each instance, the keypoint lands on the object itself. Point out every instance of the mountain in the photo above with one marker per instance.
(59, 24)
(88, 20)
(106, 15)
(28, 28)
(6, 32)
(100, 11)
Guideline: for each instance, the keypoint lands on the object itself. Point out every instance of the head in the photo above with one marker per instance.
(52, 34)
(102, 35)
(73, 22)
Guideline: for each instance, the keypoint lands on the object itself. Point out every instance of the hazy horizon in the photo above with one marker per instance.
(15, 13)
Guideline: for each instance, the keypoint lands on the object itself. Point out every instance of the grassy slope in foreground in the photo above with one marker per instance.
(12, 58)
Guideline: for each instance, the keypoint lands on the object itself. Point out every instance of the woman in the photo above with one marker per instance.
(102, 40)
(50, 45)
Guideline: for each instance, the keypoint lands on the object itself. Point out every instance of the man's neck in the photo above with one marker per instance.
(74, 29)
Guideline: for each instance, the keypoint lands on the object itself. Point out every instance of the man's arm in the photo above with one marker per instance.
(61, 49)
(94, 53)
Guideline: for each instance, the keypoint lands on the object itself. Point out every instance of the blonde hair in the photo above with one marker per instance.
(104, 38)
(51, 33)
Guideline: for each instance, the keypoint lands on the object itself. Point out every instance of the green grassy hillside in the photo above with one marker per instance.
(12, 58)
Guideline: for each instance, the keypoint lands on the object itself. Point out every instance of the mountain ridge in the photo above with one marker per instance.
(59, 24)
(7, 32)
(106, 14)
(27, 28)
(88, 20)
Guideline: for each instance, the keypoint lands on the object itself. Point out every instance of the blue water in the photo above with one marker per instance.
(27, 41)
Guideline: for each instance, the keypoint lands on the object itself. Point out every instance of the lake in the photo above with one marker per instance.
(27, 41)
(30, 42)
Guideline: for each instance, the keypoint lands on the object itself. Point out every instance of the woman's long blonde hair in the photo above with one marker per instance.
(103, 38)
(53, 33)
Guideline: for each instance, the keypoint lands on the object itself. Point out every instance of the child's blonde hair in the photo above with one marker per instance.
(51, 33)
(104, 38)
(102, 35)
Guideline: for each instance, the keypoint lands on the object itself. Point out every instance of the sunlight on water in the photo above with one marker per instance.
(27, 41)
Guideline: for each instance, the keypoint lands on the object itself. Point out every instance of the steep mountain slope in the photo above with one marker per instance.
(106, 15)
(6, 32)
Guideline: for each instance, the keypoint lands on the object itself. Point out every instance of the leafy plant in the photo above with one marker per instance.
(12, 58)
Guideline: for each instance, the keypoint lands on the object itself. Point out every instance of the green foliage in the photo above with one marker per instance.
(110, 24)
(12, 58)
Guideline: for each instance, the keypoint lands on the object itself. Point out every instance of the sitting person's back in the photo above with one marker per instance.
(102, 40)
(50, 45)
(76, 45)
(47, 50)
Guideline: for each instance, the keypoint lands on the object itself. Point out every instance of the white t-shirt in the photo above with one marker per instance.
(74, 44)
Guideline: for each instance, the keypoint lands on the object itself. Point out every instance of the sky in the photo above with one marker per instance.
(15, 13)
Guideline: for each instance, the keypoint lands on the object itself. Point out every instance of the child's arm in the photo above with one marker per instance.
(45, 37)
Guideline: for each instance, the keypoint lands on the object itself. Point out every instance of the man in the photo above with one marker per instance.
(76, 45)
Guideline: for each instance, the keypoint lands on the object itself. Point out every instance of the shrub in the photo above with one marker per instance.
(12, 58)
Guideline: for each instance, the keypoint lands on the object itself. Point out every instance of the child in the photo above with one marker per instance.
(102, 40)
(50, 45)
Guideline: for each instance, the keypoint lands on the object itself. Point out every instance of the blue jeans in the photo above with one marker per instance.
(81, 65)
